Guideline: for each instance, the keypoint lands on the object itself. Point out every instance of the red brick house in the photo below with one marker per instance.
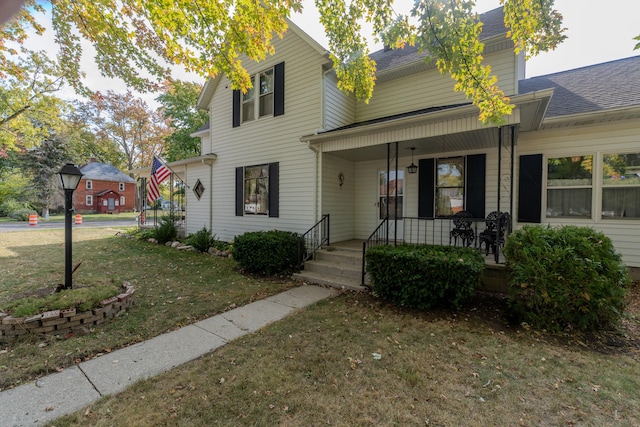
(104, 189)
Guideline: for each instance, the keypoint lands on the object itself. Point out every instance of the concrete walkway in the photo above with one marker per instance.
(78, 386)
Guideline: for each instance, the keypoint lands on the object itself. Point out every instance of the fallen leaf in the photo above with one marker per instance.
(376, 356)
(49, 408)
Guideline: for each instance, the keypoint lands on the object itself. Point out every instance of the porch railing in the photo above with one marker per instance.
(312, 240)
(379, 237)
(430, 231)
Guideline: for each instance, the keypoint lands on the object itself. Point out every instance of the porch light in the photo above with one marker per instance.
(412, 168)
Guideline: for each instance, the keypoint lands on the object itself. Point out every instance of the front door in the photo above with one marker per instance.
(112, 204)
(391, 201)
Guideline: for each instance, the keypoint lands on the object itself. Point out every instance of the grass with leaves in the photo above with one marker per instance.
(172, 289)
(355, 361)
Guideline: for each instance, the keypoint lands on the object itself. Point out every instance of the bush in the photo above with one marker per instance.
(21, 214)
(568, 277)
(9, 206)
(266, 252)
(424, 276)
(201, 240)
(166, 231)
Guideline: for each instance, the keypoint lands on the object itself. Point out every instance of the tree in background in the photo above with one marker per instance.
(29, 109)
(126, 122)
(212, 37)
(179, 108)
(41, 165)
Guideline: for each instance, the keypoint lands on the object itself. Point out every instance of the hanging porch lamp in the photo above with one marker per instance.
(412, 168)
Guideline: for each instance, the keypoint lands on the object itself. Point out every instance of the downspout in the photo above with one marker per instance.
(395, 203)
(513, 157)
(497, 245)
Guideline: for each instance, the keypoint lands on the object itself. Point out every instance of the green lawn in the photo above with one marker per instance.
(351, 360)
(172, 289)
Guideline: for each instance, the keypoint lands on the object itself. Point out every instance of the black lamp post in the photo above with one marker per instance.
(70, 176)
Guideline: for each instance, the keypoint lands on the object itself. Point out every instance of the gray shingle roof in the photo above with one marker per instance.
(493, 25)
(605, 86)
(104, 172)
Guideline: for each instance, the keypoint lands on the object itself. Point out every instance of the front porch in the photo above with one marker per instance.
(340, 265)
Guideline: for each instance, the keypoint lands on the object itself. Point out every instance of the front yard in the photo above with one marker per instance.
(172, 289)
(350, 360)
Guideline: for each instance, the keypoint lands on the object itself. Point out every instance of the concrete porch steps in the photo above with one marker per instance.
(334, 266)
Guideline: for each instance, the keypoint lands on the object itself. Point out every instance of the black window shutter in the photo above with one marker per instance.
(476, 184)
(240, 191)
(236, 108)
(530, 188)
(278, 89)
(426, 188)
(274, 190)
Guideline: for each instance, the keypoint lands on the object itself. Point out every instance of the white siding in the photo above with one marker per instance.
(431, 89)
(339, 201)
(267, 140)
(617, 137)
(339, 108)
(197, 210)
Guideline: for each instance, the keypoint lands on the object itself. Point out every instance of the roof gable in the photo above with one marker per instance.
(104, 172)
(606, 86)
(211, 84)
(387, 59)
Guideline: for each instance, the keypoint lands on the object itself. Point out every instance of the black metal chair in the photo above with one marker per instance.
(489, 236)
(462, 222)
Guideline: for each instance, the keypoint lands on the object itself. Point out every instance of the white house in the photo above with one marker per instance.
(295, 148)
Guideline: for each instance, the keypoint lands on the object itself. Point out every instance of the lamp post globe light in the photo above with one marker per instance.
(70, 176)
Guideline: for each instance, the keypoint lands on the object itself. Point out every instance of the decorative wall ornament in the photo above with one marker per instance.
(340, 179)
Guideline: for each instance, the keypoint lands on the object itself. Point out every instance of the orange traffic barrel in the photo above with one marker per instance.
(78, 219)
(33, 219)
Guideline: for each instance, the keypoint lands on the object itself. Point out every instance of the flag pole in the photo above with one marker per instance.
(172, 171)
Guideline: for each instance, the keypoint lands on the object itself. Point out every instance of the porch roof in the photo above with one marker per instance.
(436, 129)
(178, 167)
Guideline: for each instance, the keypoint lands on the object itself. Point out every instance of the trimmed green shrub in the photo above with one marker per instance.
(266, 252)
(565, 278)
(166, 231)
(201, 240)
(424, 276)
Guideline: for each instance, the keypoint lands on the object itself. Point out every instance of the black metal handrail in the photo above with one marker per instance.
(312, 240)
(380, 236)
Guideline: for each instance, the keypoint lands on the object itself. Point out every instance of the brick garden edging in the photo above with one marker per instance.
(58, 322)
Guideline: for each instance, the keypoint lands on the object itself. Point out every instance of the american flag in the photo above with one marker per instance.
(159, 172)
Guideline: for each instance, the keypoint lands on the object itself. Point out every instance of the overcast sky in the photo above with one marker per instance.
(598, 31)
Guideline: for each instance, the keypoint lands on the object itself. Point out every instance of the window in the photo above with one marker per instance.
(266, 93)
(89, 184)
(248, 104)
(256, 190)
(198, 189)
(265, 98)
(569, 186)
(621, 186)
(449, 186)
(121, 200)
(88, 200)
(396, 193)
(121, 186)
